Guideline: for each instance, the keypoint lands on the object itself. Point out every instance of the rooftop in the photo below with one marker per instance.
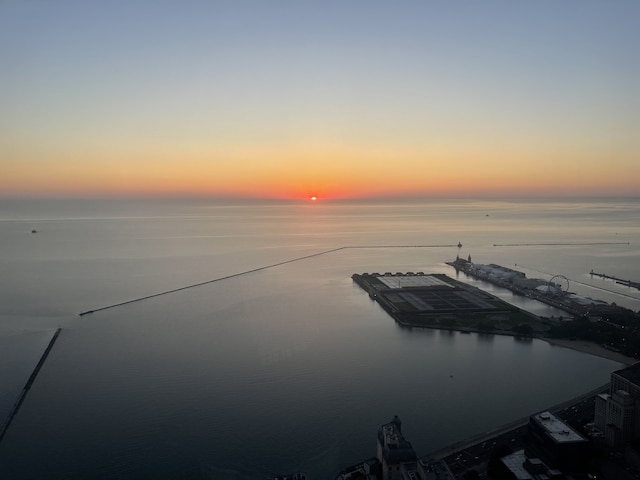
(413, 281)
(438, 301)
(515, 463)
(557, 429)
(395, 448)
(631, 373)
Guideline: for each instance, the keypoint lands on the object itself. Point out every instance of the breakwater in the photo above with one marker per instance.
(569, 244)
(620, 281)
(28, 385)
(254, 270)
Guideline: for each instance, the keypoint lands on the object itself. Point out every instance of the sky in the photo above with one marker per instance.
(334, 99)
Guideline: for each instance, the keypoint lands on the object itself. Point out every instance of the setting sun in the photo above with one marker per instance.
(313, 199)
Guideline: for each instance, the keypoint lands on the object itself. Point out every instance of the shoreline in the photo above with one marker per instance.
(583, 346)
(591, 349)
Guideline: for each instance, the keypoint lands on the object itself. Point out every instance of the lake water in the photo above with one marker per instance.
(286, 368)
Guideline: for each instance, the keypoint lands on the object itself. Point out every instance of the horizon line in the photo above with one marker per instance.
(313, 199)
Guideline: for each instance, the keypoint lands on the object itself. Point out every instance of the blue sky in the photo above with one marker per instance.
(101, 87)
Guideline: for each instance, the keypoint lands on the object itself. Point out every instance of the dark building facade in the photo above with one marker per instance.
(555, 443)
(393, 450)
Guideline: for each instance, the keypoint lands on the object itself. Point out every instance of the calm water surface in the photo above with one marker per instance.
(286, 368)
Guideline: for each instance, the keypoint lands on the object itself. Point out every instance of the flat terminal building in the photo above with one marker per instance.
(421, 299)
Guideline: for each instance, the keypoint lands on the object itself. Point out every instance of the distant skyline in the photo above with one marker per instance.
(334, 99)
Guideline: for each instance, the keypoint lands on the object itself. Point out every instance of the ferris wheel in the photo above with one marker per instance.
(560, 283)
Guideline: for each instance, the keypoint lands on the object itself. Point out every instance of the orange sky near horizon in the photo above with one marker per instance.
(306, 170)
(292, 101)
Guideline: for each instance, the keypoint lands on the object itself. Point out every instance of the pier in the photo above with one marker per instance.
(580, 283)
(620, 281)
(440, 302)
(28, 385)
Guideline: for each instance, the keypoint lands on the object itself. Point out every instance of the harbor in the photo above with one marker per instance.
(432, 301)
(436, 301)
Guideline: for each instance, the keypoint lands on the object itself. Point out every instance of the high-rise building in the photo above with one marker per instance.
(627, 379)
(394, 452)
(617, 413)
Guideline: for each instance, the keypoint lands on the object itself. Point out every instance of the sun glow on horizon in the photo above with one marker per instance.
(267, 115)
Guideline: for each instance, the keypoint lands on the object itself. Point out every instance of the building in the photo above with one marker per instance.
(555, 444)
(553, 450)
(600, 415)
(617, 413)
(367, 470)
(498, 273)
(620, 419)
(397, 456)
(627, 379)
(395, 460)
(517, 466)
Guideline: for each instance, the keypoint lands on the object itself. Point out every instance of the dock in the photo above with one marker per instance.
(620, 281)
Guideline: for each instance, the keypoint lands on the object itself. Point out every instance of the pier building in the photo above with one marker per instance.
(438, 301)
